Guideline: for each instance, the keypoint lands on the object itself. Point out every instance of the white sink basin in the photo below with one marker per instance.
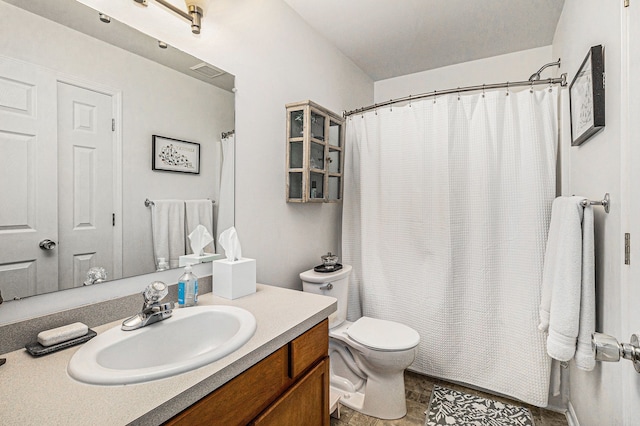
(191, 338)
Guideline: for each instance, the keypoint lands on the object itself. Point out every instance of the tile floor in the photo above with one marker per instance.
(418, 392)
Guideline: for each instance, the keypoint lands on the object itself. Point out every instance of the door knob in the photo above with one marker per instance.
(608, 349)
(47, 244)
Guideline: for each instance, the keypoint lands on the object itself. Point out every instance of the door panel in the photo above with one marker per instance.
(28, 178)
(630, 293)
(85, 163)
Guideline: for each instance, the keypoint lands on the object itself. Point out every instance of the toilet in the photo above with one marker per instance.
(367, 357)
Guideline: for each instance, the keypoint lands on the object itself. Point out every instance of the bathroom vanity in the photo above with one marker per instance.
(281, 371)
(293, 383)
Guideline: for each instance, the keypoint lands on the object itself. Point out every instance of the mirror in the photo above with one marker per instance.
(80, 102)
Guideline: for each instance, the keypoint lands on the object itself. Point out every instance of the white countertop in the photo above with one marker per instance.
(38, 391)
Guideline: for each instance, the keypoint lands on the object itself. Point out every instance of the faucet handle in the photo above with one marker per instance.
(155, 291)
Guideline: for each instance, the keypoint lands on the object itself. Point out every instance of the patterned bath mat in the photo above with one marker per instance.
(450, 407)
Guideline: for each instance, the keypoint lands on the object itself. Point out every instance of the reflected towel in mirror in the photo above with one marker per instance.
(200, 212)
(167, 221)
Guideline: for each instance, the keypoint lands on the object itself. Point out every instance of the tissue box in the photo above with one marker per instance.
(232, 280)
(192, 259)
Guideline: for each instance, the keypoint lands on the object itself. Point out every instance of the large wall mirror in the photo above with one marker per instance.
(80, 101)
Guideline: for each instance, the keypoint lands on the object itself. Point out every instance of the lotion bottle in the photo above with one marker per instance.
(187, 288)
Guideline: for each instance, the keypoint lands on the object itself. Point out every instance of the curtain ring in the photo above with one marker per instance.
(391, 105)
(458, 93)
(483, 90)
(531, 88)
(409, 101)
(507, 88)
(550, 90)
(434, 96)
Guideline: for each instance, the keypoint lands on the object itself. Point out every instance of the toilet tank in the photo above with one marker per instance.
(333, 284)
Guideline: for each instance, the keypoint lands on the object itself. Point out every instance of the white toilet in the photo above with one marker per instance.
(367, 357)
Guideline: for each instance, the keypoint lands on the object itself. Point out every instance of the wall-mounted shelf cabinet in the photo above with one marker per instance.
(315, 154)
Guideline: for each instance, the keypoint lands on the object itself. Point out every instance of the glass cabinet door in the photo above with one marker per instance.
(316, 157)
(334, 161)
(296, 126)
(334, 188)
(335, 130)
(296, 152)
(316, 184)
(317, 126)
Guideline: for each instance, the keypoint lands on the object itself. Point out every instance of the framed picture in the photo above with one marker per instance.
(586, 97)
(173, 155)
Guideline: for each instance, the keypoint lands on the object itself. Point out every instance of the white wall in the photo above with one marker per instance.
(516, 66)
(155, 100)
(592, 169)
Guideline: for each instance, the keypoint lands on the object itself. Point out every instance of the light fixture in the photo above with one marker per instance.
(162, 44)
(104, 18)
(195, 11)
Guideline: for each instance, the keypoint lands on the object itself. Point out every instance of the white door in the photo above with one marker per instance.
(28, 181)
(85, 173)
(630, 291)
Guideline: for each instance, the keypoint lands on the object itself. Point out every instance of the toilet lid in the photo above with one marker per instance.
(383, 335)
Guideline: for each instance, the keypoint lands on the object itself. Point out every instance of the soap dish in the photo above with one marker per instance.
(36, 349)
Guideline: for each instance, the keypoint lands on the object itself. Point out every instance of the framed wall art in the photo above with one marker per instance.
(174, 155)
(586, 97)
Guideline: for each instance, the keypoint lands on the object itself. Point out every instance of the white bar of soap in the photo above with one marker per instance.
(62, 334)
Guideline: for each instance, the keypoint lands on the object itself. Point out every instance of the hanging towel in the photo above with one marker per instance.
(567, 309)
(167, 221)
(199, 212)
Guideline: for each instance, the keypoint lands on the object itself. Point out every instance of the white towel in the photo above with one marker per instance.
(199, 212)
(567, 309)
(167, 221)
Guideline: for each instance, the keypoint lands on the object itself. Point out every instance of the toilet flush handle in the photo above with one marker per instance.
(327, 286)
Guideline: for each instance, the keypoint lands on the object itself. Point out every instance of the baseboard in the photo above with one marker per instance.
(572, 419)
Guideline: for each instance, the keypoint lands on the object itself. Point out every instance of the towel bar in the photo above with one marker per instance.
(604, 202)
(149, 203)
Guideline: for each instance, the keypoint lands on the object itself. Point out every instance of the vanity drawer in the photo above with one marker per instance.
(308, 349)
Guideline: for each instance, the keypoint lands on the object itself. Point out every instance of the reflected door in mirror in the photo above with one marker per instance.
(86, 184)
(27, 179)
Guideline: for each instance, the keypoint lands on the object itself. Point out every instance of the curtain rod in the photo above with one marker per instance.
(227, 134)
(562, 81)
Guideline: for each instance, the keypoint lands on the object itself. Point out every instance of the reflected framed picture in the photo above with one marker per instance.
(174, 155)
(586, 97)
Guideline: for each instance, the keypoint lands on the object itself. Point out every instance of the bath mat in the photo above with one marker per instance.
(451, 407)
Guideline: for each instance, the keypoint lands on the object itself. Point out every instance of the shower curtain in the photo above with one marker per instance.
(226, 207)
(447, 205)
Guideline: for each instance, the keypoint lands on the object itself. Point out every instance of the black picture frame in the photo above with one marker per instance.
(175, 155)
(586, 97)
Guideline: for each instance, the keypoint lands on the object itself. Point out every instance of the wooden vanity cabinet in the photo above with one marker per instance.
(289, 387)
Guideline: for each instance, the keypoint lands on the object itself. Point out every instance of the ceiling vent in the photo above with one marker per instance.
(207, 70)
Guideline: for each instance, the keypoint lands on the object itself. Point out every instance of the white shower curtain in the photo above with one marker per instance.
(446, 211)
(226, 207)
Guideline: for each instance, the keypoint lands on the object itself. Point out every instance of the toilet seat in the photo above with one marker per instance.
(382, 335)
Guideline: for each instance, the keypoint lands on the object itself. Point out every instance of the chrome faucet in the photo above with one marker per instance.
(152, 310)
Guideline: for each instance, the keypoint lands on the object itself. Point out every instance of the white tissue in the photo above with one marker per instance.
(199, 238)
(231, 245)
